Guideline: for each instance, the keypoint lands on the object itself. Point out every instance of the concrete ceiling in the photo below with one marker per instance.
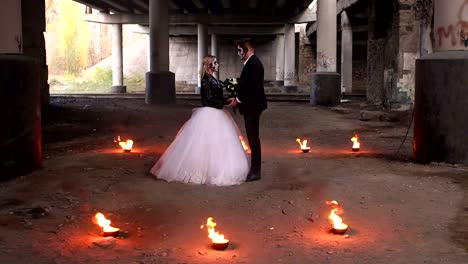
(232, 7)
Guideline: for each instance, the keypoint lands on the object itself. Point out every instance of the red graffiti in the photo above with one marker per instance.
(457, 33)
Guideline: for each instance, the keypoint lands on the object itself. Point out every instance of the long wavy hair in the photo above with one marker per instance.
(207, 60)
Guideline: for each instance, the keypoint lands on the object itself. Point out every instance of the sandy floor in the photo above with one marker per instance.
(398, 211)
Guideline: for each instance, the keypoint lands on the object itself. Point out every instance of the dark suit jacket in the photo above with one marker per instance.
(251, 92)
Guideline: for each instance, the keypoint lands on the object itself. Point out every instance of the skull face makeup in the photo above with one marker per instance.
(214, 66)
(241, 52)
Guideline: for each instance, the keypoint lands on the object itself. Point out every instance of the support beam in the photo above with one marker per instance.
(279, 76)
(214, 49)
(346, 54)
(290, 84)
(117, 60)
(193, 19)
(188, 30)
(160, 82)
(202, 50)
(326, 81)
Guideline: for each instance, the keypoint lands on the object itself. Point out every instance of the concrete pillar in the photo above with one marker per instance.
(214, 49)
(290, 84)
(346, 54)
(326, 88)
(160, 82)
(11, 27)
(202, 50)
(117, 60)
(279, 78)
(440, 123)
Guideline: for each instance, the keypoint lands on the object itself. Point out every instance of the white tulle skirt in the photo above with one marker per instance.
(206, 150)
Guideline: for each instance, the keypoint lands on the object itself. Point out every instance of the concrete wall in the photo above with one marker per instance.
(399, 32)
(306, 59)
(183, 59)
(10, 27)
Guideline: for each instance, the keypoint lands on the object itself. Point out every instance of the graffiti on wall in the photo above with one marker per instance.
(325, 63)
(451, 25)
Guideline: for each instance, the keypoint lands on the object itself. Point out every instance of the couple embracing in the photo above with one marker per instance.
(207, 149)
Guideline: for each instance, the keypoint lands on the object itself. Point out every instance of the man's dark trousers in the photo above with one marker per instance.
(252, 127)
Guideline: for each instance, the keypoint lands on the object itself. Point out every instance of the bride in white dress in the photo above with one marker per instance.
(207, 149)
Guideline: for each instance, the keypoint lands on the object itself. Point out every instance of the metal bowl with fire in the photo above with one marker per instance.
(217, 239)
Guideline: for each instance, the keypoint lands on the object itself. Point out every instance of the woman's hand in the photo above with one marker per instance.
(231, 102)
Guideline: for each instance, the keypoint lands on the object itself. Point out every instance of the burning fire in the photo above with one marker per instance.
(103, 222)
(334, 218)
(244, 145)
(216, 237)
(303, 144)
(125, 145)
(356, 143)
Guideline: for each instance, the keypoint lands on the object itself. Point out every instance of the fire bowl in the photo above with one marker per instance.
(127, 150)
(339, 231)
(220, 246)
(305, 150)
(355, 149)
(111, 233)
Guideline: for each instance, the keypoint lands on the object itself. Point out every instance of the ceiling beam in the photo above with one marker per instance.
(188, 19)
(219, 30)
(98, 6)
(117, 6)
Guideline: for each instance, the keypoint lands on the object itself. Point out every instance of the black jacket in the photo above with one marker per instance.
(251, 92)
(212, 92)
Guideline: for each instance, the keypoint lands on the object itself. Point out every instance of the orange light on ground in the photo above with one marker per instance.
(356, 144)
(107, 229)
(125, 145)
(218, 240)
(338, 226)
(303, 145)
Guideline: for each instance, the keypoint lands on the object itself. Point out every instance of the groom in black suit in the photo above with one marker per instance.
(251, 102)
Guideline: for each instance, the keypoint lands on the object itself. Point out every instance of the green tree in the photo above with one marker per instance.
(71, 34)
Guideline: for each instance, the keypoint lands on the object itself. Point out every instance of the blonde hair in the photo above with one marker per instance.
(207, 60)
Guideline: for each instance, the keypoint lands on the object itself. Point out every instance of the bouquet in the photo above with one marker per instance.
(231, 87)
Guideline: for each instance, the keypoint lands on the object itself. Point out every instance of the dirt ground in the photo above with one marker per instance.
(398, 211)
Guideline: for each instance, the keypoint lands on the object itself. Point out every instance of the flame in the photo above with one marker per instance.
(103, 222)
(303, 144)
(334, 218)
(244, 145)
(216, 237)
(125, 145)
(355, 141)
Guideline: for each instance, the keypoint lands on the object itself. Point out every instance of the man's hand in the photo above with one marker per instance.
(231, 102)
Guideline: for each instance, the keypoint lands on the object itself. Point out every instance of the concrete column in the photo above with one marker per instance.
(117, 60)
(326, 88)
(160, 82)
(11, 27)
(214, 49)
(202, 50)
(290, 84)
(346, 54)
(440, 123)
(279, 79)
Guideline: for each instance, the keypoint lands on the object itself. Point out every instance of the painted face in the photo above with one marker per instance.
(214, 66)
(240, 52)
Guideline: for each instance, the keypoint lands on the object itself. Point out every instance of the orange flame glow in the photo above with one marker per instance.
(125, 145)
(356, 144)
(303, 144)
(103, 222)
(244, 145)
(334, 218)
(216, 237)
